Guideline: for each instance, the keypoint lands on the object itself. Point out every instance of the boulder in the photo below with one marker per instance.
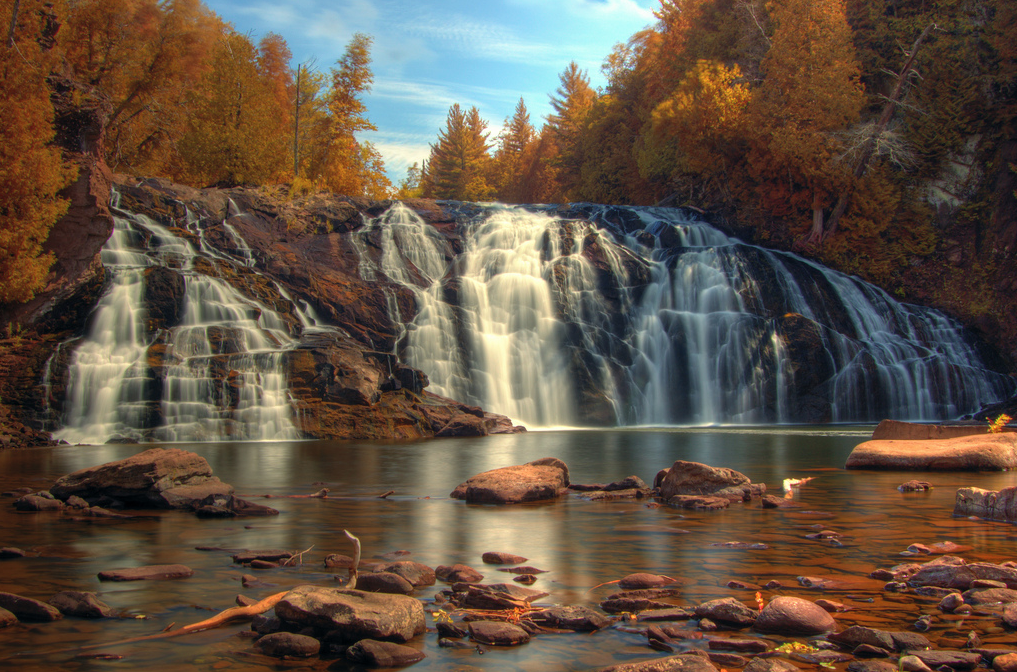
(162, 478)
(643, 580)
(858, 635)
(958, 660)
(288, 645)
(458, 574)
(147, 573)
(7, 618)
(787, 615)
(498, 633)
(373, 653)
(679, 663)
(543, 479)
(417, 574)
(695, 478)
(981, 452)
(899, 430)
(1005, 663)
(498, 558)
(727, 611)
(771, 665)
(576, 617)
(384, 582)
(27, 609)
(699, 502)
(988, 504)
(353, 614)
(81, 605)
(981, 596)
(38, 503)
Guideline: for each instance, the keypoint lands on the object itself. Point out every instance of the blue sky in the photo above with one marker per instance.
(429, 55)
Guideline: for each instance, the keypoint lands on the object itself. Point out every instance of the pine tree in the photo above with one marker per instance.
(571, 101)
(518, 135)
(458, 164)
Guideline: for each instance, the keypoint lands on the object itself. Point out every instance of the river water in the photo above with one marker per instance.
(580, 543)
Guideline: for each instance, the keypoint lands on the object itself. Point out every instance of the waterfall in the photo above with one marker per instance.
(209, 367)
(642, 316)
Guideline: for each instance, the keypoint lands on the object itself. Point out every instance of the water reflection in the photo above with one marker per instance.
(580, 543)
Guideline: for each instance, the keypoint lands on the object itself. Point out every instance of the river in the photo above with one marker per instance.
(580, 543)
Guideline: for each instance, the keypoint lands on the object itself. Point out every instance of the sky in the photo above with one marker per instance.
(430, 54)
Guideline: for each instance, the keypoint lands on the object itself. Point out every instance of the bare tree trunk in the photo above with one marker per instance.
(870, 145)
(296, 129)
(14, 24)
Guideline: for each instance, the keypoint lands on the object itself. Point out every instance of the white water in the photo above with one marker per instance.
(222, 374)
(508, 323)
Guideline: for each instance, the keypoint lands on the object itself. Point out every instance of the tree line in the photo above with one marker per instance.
(185, 96)
(816, 125)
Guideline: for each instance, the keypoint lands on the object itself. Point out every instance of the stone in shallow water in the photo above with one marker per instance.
(498, 633)
(383, 654)
(418, 574)
(7, 618)
(81, 605)
(288, 644)
(496, 558)
(640, 581)
(27, 609)
(575, 617)
(680, 663)
(353, 615)
(458, 574)
(9, 553)
(384, 582)
(547, 478)
(794, 616)
(147, 573)
(728, 611)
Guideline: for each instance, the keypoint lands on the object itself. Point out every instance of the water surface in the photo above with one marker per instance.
(581, 543)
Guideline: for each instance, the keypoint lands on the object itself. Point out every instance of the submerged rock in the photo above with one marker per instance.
(373, 653)
(288, 645)
(148, 573)
(27, 609)
(543, 479)
(81, 605)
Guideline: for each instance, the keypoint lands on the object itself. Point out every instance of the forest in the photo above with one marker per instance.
(853, 131)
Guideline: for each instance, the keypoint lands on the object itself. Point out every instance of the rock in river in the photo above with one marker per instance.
(787, 615)
(147, 573)
(695, 478)
(543, 479)
(27, 609)
(981, 452)
(353, 614)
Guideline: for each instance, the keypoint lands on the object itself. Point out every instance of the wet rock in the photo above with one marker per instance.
(373, 653)
(699, 502)
(726, 660)
(526, 569)
(496, 558)
(497, 633)
(912, 664)
(247, 557)
(741, 645)
(384, 582)
(148, 573)
(458, 574)
(643, 580)
(794, 616)
(831, 606)
(577, 617)
(632, 605)
(985, 571)
(27, 609)
(498, 596)
(543, 479)
(447, 643)
(979, 596)
(162, 478)
(858, 635)
(230, 506)
(418, 574)
(7, 618)
(1005, 663)
(10, 553)
(452, 630)
(353, 614)
(81, 605)
(915, 486)
(957, 660)
(951, 602)
(679, 663)
(775, 665)
(981, 452)
(667, 614)
(1010, 615)
(37, 503)
(871, 666)
(526, 579)
(728, 611)
(869, 651)
(263, 564)
(646, 593)
(943, 575)
(265, 625)
(338, 560)
(774, 502)
(288, 645)
(695, 478)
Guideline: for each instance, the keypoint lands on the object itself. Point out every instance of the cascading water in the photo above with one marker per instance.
(598, 315)
(212, 372)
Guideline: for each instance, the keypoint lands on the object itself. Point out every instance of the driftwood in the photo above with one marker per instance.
(352, 582)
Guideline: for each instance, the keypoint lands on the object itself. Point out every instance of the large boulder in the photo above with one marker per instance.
(981, 452)
(695, 478)
(915, 431)
(27, 609)
(988, 504)
(353, 615)
(787, 615)
(163, 478)
(543, 479)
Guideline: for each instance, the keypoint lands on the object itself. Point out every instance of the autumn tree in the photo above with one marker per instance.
(234, 134)
(507, 160)
(32, 171)
(571, 102)
(458, 164)
(351, 166)
(411, 187)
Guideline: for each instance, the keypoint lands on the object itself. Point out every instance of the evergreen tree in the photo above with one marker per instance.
(458, 164)
(571, 102)
(518, 135)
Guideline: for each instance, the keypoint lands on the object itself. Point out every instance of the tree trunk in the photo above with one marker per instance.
(14, 24)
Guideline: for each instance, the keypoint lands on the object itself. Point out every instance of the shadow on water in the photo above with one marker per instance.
(581, 543)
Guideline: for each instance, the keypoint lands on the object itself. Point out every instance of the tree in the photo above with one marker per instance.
(234, 136)
(518, 134)
(458, 164)
(32, 171)
(571, 101)
(410, 187)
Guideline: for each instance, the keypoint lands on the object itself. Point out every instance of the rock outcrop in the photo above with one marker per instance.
(988, 504)
(981, 452)
(696, 479)
(543, 479)
(353, 615)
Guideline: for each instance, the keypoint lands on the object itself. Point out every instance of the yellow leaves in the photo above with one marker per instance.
(710, 100)
(997, 425)
(796, 647)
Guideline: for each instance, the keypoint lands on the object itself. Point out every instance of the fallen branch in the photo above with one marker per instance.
(291, 562)
(352, 583)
